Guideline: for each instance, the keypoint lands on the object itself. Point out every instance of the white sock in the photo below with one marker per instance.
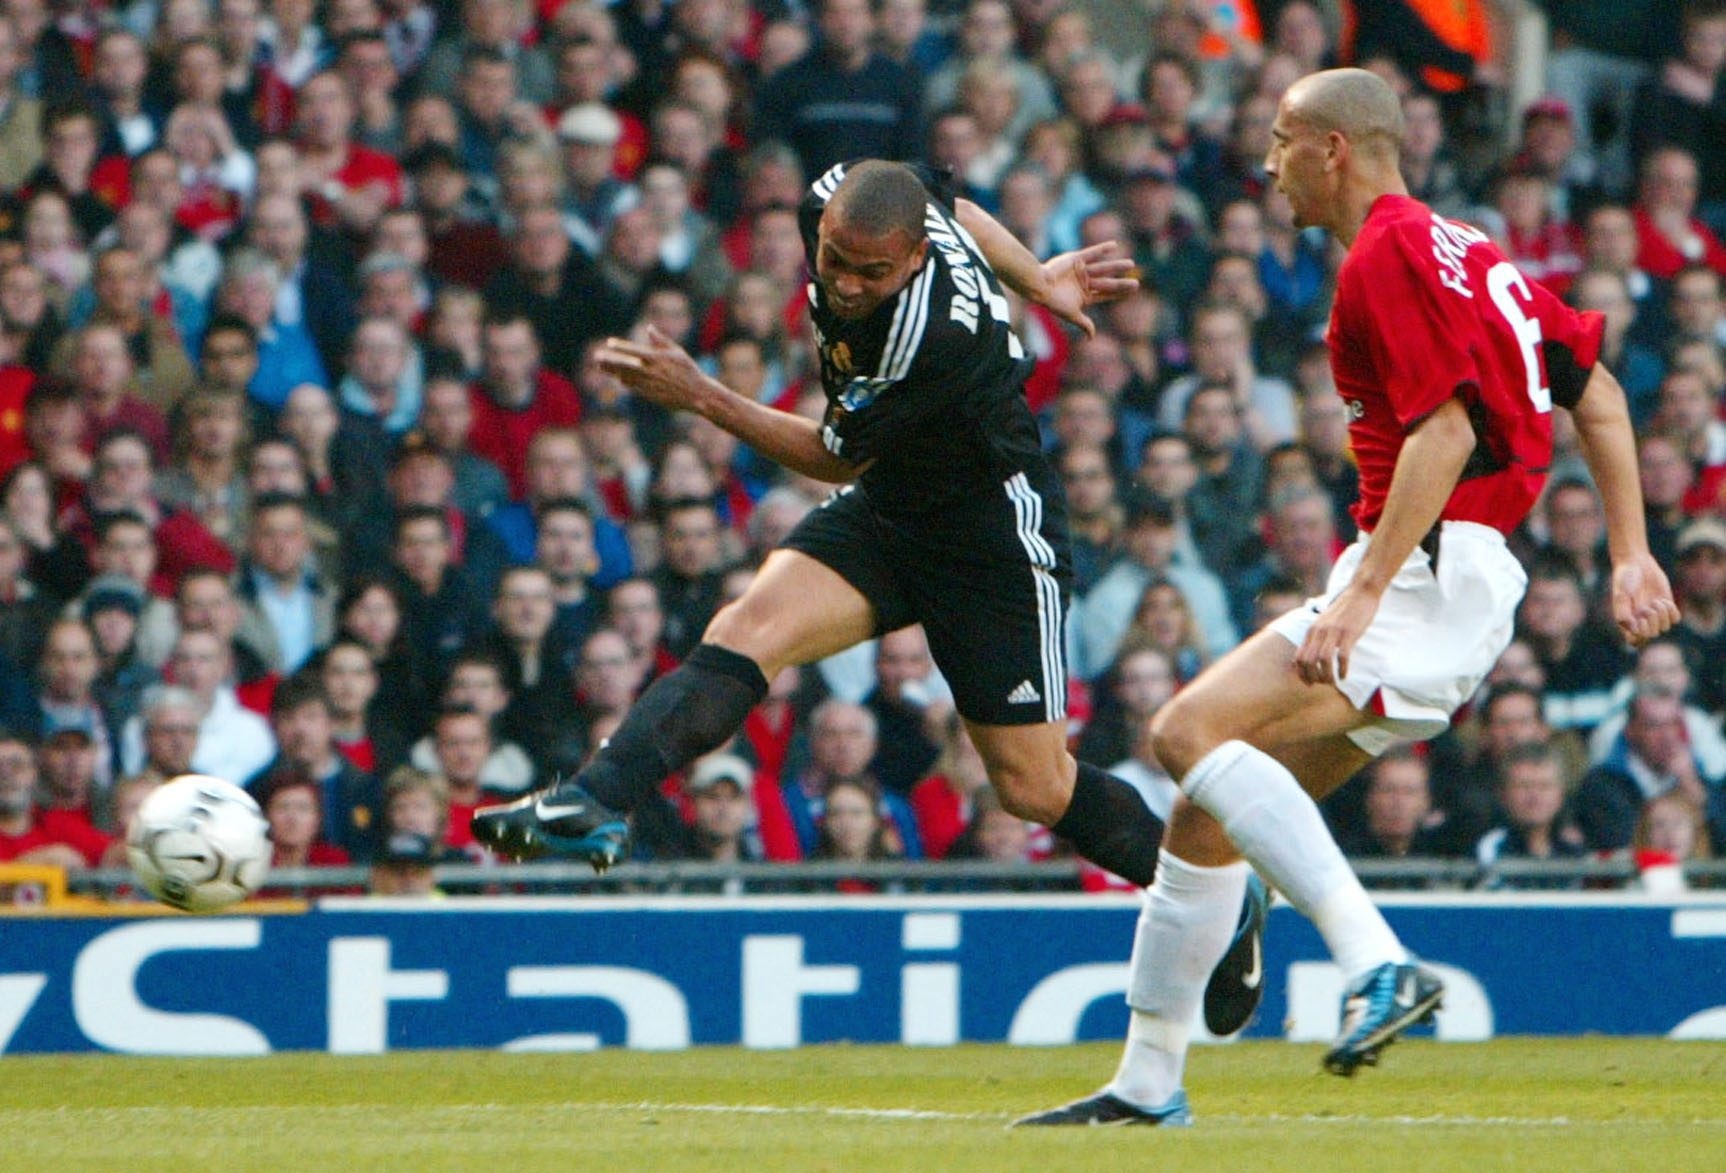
(1277, 826)
(1188, 920)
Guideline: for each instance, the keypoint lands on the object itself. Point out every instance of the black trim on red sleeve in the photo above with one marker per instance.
(1564, 375)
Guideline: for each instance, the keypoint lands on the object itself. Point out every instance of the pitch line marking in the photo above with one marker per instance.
(109, 1113)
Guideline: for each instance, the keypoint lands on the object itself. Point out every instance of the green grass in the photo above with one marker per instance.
(1520, 1105)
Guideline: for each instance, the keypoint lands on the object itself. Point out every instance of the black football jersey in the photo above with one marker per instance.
(930, 386)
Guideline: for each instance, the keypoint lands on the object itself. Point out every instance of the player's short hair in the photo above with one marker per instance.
(1357, 104)
(879, 198)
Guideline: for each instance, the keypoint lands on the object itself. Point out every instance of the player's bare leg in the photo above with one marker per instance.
(795, 611)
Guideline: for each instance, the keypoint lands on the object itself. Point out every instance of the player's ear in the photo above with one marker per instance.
(919, 253)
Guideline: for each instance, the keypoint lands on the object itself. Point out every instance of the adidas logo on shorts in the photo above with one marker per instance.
(1025, 694)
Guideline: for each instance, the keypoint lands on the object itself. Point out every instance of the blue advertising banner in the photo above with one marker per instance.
(361, 976)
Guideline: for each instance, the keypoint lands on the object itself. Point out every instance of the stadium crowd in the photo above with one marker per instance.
(310, 481)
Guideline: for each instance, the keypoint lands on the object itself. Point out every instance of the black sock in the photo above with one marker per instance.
(680, 717)
(1109, 824)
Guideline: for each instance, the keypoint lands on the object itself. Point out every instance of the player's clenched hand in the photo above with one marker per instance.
(1642, 603)
(1086, 277)
(1323, 656)
(658, 368)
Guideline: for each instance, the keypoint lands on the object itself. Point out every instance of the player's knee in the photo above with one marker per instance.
(1179, 737)
(1030, 794)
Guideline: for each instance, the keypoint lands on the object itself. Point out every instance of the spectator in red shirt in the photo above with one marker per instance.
(348, 185)
(102, 375)
(462, 744)
(67, 764)
(1671, 236)
(946, 800)
(294, 807)
(516, 397)
(23, 838)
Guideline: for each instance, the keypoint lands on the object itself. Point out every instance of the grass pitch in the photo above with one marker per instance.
(1520, 1105)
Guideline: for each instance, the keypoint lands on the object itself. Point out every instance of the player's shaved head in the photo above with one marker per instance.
(878, 198)
(1359, 105)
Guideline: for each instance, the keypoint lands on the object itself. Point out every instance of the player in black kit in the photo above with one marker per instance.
(951, 517)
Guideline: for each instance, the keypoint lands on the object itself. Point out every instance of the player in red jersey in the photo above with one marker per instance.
(1451, 363)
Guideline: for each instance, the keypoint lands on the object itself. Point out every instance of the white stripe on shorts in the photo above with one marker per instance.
(1028, 518)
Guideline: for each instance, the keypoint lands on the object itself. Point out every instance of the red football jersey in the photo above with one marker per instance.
(1428, 309)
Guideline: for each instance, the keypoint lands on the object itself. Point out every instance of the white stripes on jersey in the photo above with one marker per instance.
(1028, 523)
(829, 183)
(906, 333)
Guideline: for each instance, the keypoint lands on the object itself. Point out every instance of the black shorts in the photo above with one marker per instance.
(988, 582)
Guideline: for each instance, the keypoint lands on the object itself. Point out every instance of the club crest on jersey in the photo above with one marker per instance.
(840, 356)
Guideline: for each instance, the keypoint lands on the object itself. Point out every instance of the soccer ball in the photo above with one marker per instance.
(199, 843)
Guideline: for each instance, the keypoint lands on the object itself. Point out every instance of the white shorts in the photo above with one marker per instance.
(1434, 639)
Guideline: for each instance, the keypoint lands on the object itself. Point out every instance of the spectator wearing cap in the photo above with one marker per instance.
(593, 195)
(1699, 583)
(111, 607)
(23, 837)
(1149, 540)
(66, 690)
(721, 828)
(1165, 245)
(72, 807)
(556, 287)
(348, 803)
(406, 865)
(843, 100)
(465, 247)
(499, 26)
(1548, 149)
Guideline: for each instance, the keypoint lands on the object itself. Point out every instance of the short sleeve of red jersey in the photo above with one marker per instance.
(1422, 333)
(1569, 344)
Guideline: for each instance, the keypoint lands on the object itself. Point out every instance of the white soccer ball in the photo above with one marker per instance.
(199, 843)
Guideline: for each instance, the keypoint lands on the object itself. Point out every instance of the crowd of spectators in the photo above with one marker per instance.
(308, 478)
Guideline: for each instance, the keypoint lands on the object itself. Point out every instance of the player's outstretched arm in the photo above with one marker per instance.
(1642, 603)
(1066, 284)
(662, 371)
(1427, 469)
